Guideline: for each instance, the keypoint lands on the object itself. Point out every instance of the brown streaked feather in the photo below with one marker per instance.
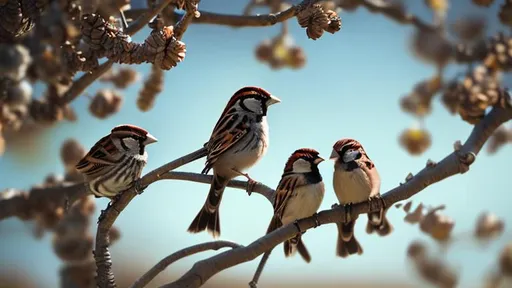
(284, 191)
(300, 153)
(130, 128)
(100, 156)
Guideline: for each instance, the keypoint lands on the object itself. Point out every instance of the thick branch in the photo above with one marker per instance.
(105, 277)
(201, 178)
(26, 205)
(164, 263)
(87, 79)
(455, 163)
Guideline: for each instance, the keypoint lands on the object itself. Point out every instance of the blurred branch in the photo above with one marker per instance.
(395, 12)
(87, 79)
(105, 276)
(457, 162)
(25, 205)
(239, 20)
(164, 263)
(207, 179)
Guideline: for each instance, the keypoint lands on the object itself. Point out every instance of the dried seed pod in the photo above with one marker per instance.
(105, 103)
(14, 61)
(53, 180)
(468, 53)
(416, 216)
(418, 102)
(71, 152)
(432, 47)
(437, 273)
(327, 5)
(506, 261)
(501, 50)
(19, 93)
(407, 206)
(438, 6)
(469, 28)
(151, 88)
(73, 249)
(416, 250)
(505, 14)
(174, 54)
(263, 51)
(296, 57)
(485, 3)
(499, 138)
(415, 140)
(45, 111)
(436, 225)
(334, 22)
(122, 78)
(314, 19)
(349, 5)
(488, 225)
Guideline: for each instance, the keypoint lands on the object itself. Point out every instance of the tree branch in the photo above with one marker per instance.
(105, 276)
(87, 79)
(25, 205)
(207, 179)
(160, 266)
(455, 163)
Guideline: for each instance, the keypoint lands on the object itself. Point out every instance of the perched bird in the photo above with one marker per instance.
(238, 141)
(298, 195)
(116, 161)
(356, 180)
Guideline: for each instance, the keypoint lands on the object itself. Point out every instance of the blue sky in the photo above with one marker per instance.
(350, 87)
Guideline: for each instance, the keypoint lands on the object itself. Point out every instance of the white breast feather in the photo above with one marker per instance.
(304, 202)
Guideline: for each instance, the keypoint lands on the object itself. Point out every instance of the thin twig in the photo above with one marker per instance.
(207, 179)
(105, 276)
(259, 270)
(457, 162)
(388, 9)
(164, 263)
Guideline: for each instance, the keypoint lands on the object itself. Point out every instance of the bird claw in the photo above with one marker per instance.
(296, 223)
(139, 189)
(317, 222)
(348, 212)
(250, 186)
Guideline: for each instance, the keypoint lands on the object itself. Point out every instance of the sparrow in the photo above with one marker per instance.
(298, 195)
(116, 161)
(356, 180)
(238, 141)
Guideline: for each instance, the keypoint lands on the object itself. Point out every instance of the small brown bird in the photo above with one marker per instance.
(298, 195)
(356, 180)
(238, 141)
(116, 161)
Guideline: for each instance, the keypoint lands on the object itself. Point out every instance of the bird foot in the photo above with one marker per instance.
(348, 212)
(250, 182)
(296, 223)
(139, 189)
(317, 222)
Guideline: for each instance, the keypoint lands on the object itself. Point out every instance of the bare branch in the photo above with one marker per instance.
(207, 179)
(87, 79)
(390, 10)
(239, 20)
(455, 163)
(164, 263)
(26, 205)
(259, 270)
(105, 276)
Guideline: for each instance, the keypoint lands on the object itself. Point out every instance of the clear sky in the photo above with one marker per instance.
(350, 87)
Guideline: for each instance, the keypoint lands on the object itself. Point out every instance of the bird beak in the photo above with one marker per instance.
(334, 155)
(351, 156)
(318, 160)
(149, 139)
(273, 100)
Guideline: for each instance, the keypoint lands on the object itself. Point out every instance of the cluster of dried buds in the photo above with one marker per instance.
(160, 47)
(316, 20)
(488, 226)
(105, 103)
(470, 98)
(500, 137)
(280, 52)
(432, 270)
(151, 88)
(432, 46)
(432, 223)
(505, 14)
(415, 140)
(71, 152)
(418, 102)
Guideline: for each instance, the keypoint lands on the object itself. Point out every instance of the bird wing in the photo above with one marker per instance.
(284, 192)
(102, 155)
(228, 131)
